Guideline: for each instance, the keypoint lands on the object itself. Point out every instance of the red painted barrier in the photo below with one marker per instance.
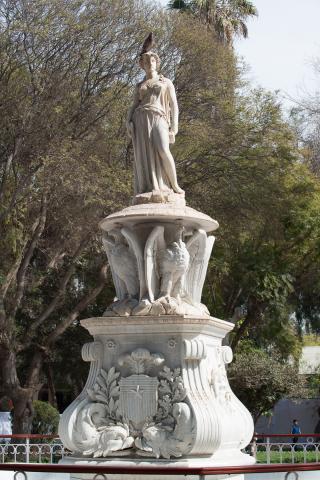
(28, 435)
(288, 435)
(164, 470)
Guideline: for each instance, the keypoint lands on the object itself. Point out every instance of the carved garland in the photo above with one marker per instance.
(103, 426)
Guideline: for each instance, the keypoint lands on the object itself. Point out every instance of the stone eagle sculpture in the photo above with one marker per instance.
(178, 269)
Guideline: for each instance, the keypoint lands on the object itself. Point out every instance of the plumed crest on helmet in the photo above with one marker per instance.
(148, 44)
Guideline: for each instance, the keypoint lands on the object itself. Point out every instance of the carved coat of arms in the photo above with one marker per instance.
(139, 413)
(138, 398)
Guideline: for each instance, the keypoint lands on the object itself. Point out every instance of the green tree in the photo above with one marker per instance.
(67, 72)
(46, 419)
(239, 161)
(227, 18)
(260, 380)
(64, 87)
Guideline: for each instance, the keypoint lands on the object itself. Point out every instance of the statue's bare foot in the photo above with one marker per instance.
(177, 189)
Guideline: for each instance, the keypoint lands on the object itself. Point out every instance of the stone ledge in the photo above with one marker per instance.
(152, 324)
(159, 213)
(160, 196)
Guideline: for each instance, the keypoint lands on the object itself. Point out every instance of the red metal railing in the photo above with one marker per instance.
(160, 469)
(29, 435)
(288, 435)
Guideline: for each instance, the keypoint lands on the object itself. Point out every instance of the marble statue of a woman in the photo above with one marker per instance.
(152, 124)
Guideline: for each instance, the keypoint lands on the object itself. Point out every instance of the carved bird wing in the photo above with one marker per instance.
(199, 247)
(119, 284)
(136, 247)
(154, 246)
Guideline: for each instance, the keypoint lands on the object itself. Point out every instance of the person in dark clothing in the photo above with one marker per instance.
(317, 427)
(295, 430)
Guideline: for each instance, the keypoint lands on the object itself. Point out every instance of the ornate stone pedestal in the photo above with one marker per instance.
(157, 391)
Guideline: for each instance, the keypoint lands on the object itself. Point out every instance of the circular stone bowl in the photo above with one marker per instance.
(159, 213)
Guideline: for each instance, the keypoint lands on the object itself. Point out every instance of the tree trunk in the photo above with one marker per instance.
(22, 398)
(23, 410)
(10, 386)
(255, 309)
(52, 399)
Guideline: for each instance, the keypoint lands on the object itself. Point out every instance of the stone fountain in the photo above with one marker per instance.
(157, 391)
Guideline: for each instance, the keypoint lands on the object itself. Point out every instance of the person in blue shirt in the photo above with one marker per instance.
(295, 430)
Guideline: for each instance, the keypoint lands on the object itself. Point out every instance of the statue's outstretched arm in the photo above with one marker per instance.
(174, 107)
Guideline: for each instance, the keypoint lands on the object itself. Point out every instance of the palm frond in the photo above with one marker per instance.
(179, 5)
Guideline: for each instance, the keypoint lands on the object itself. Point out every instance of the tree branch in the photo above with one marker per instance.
(21, 274)
(254, 314)
(33, 376)
(57, 298)
(82, 305)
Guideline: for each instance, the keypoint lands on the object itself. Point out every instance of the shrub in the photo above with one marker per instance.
(46, 418)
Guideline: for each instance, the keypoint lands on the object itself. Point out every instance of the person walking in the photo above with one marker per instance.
(295, 430)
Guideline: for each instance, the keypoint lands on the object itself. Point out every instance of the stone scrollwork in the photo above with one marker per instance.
(166, 442)
(140, 414)
(194, 350)
(160, 277)
(219, 380)
(227, 354)
(91, 351)
(111, 344)
(99, 430)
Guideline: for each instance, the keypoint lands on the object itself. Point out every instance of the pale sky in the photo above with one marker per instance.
(282, 43)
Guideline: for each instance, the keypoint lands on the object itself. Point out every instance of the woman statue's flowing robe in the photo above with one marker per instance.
(155, 110)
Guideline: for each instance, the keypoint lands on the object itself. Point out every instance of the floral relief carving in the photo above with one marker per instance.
(172, 343)
(140, 414)
(219, 380)
(111, 344)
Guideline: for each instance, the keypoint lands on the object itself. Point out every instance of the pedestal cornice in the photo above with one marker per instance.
(157, 324)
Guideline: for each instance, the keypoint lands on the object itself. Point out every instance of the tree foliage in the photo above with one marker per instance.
(65, 76)
(67, 71)
(46, 418)
(261, 379)
(227, 18)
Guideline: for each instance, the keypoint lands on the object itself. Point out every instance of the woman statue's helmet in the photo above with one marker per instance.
(148, 44)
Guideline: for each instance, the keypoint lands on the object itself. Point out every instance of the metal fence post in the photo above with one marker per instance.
(27, 450)
(268, 450)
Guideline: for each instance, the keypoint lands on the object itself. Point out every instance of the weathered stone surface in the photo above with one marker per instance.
(157, 386)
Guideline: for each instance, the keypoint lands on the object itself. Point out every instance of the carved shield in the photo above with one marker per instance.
(138, 398)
